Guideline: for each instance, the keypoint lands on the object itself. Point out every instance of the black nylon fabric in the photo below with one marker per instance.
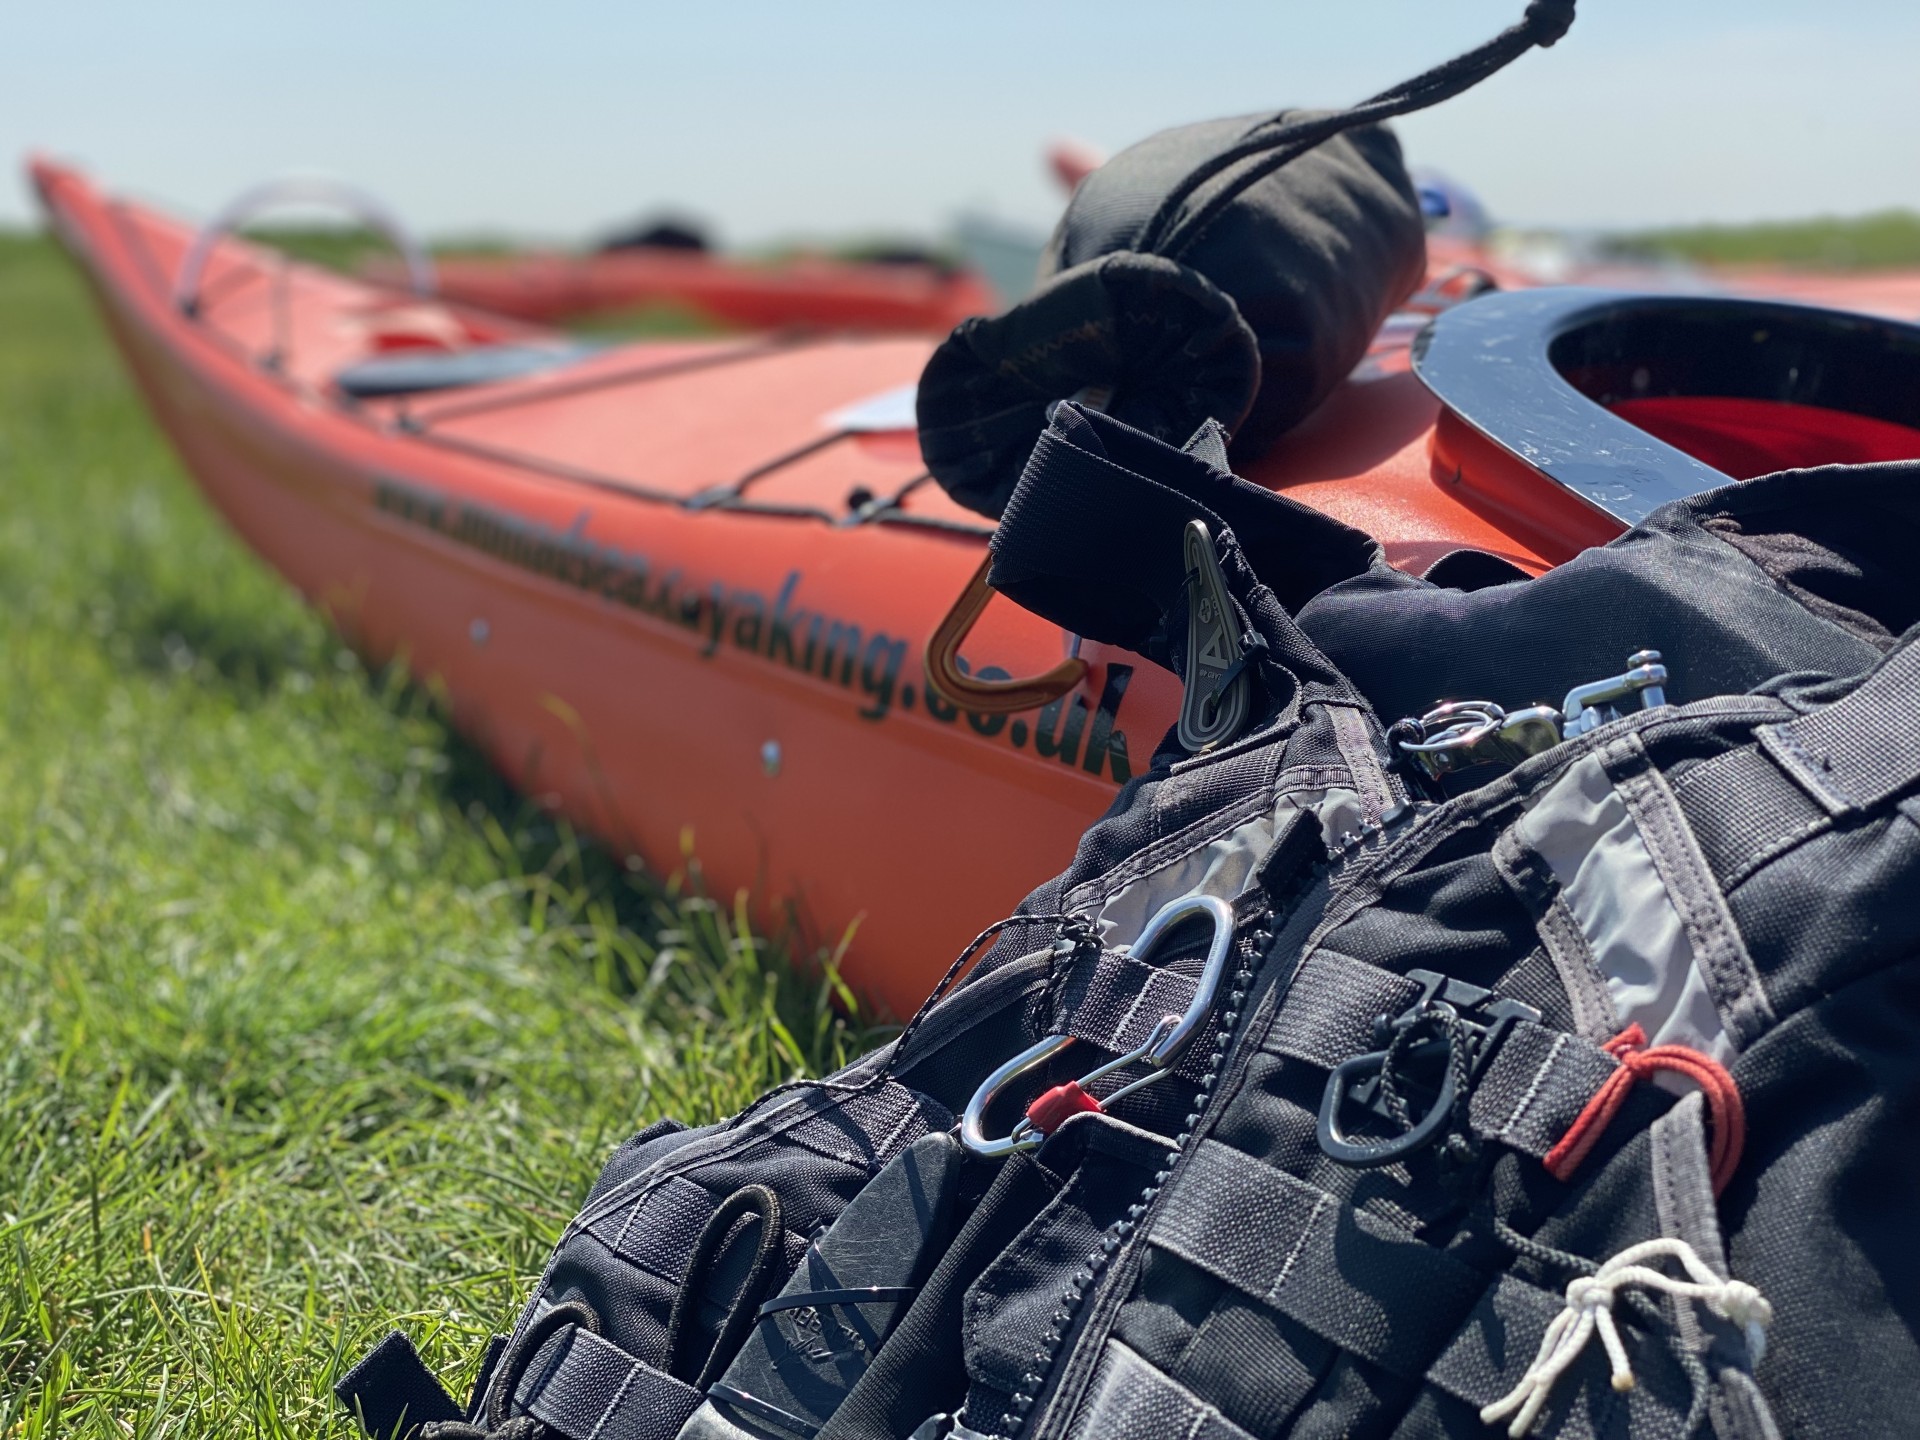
(1315, 255)
(1801, 590)
(1251, 325)
(1161, 334)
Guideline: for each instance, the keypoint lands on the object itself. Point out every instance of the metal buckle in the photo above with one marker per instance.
(1209, 713)
(1459, 734)
(1162, 1047)
(1485, 1016)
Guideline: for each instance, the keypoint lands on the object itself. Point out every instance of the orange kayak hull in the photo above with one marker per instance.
(746, 676)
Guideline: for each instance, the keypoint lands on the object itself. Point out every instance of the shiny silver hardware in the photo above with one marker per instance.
(1588, 707)
(1162, 1047)
(770, 758)
(1458, 734)
(1207, 715)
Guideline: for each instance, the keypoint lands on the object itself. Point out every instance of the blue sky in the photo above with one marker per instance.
(828, 116)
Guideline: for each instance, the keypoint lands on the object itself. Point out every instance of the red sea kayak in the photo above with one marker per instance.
(809, 291)
(688, 585)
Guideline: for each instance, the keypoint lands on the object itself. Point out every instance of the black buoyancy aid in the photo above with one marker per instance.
(1482, 1058)
(1721, 888)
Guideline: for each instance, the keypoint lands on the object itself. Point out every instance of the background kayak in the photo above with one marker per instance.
(810, 291)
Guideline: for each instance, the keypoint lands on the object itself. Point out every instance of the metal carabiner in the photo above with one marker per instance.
(989, 697)
(1163, 1046)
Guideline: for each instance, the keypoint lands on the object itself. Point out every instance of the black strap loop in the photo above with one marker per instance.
(683, 1325)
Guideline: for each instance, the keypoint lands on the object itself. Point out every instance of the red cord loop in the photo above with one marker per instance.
(1725, 1112)
(1055, 1107)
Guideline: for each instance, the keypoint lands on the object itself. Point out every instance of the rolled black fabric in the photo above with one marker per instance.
(1161, 337)
(1270, 302)
(1315, 255)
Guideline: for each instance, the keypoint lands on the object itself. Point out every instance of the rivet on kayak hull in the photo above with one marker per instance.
(478, 632)
(770, 758)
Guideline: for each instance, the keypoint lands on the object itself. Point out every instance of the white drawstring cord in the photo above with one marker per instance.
(1590, 1308)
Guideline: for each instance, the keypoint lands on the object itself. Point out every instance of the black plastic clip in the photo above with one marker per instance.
(1425, 1069)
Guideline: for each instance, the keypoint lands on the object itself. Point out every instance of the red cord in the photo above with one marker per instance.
(1724, 1108)
(1057, 1106)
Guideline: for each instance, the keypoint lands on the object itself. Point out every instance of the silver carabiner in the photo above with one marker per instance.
(1163, 1046)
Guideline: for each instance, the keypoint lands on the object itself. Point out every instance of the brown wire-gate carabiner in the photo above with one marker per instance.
(989, 697)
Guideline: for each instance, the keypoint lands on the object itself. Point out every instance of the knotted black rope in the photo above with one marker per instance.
(1458, 1148)
(1282, 140)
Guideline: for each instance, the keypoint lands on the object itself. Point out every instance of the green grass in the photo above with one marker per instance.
(310, 1025)
(1869, 242)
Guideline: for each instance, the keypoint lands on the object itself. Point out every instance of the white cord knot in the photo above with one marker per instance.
(1589, 1309)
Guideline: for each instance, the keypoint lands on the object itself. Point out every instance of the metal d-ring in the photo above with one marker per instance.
(989, 697)
(1163, 1046)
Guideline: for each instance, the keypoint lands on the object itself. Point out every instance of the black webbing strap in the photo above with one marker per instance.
(1130, 1399)
(1358, 1281)
(393, 1393)
(1862, 750)
(1116, 1002)
(594, 1390)
(1091, 538)
(1526, 1097)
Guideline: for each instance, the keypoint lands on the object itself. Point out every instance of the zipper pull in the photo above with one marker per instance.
(1210, 712)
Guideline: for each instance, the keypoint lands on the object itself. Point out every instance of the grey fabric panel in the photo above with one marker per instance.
(1581, 826)
(596, 1391)
(1130, 1400)
(1224, 862)
(1581, 980)
(1861, 751)
(1347, 1275)
(1718, 949)
(1501, 1338)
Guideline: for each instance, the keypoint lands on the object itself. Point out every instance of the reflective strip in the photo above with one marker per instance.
(1130, 1400)
(596, 1391)
(1581, 827)
(1359, 1281)
(1220, 856)
(1719, 950)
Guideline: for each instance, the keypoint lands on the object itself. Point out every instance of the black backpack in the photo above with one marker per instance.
(1380, 1068)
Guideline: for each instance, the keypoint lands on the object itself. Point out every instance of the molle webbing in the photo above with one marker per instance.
(1859, 752)
(1537, 1082)
(590, 1389)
